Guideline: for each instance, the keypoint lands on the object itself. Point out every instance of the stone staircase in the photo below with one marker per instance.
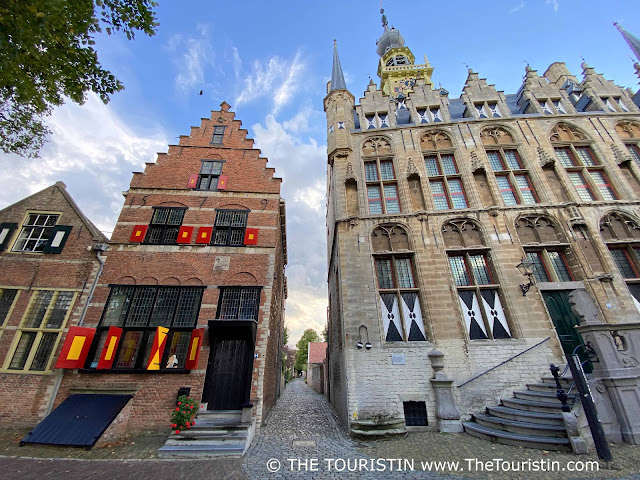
(377, 427)
(532, 418)
(216, 433)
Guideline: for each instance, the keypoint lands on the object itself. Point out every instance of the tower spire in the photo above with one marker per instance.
(633, 41)
(337, 77)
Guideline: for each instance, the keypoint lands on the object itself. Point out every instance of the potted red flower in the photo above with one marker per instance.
(182, 418)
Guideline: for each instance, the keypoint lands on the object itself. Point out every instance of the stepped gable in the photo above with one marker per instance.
(246, 170)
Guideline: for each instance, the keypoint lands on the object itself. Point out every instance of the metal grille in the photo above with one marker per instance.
(415, 414)
(404, 273)
(175, 216)
(248, 304)
(495, 161)
(22, 350)
(239, 219)
(560, 267)
(459, 270)
(116, 310)
(43, 352)
(188, 307)
(237, 237)
(239, 303)
(480, 270)
(223, 218)
(180, 347)
(38, 308)
(60, 309)
(155, 234)
(220, 237)
(141, 307)
(230, 303)
(383, 269)
(164, 307)
(160, 216)
(6, 300)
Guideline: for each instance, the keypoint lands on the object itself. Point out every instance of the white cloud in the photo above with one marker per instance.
(194, 54)
(518, 7)
(554, 4)
(276, 78)
(93, 152)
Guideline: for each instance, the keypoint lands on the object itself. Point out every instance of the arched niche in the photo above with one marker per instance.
(436, 140)
(619, 226)
(537, 229)
(377, 146)
(496, 136)
(461, 233)
(563, 132)
(389, 238)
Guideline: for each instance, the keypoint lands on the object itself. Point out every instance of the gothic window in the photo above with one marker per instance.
(585, 172)
(629, 132)
(622, 236)
(476, 284)
(380, 177)
(397, 286)
(445, 180)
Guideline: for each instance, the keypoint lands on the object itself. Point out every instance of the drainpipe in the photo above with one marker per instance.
(60, 374)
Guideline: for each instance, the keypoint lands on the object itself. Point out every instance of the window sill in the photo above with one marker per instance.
(136, 371)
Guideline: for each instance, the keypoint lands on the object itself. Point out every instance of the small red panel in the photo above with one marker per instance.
(195, 343)
(110, 347)
(193, 181)
(222, 182)
(204, 235)
(251, 236)
(76, 347)
(139, 231)
(184, 234)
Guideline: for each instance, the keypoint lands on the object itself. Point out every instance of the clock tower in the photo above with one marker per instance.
(397, 68)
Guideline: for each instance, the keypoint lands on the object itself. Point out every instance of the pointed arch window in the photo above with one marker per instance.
(397, 287)
(445, 180)
(476, 284)
(380, 177)
(629, 132)
(621, 233)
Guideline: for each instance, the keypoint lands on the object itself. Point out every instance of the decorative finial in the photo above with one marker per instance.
(617, 25)
(384, 17)
(335, 43)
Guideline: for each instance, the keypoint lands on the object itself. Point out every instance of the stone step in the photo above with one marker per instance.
(546, 387)
(567, 380)
(523, 428)
(519, 440)
(376, 424)
(219, 414)
(532, 406)
(526, 416)
(186, 450)
(378, 433)
(536, 396)
(224, 435)
(190, 442)
(221, 424)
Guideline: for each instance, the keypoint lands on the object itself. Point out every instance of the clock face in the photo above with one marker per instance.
(403, 86)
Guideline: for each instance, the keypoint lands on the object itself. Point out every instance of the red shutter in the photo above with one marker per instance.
(204, 235)
(109, 350)
(184, 234)
(76, 347)
(139, 231)
(193, 181)
(222, 182)
(159, 342)
(251, 236)
(195, 344)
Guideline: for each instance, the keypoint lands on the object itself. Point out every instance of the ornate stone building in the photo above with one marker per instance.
(432, 203)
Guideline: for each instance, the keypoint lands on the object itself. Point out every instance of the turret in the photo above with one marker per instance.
(339, 105)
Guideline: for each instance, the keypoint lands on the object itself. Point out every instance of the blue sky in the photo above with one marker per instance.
(271, 62)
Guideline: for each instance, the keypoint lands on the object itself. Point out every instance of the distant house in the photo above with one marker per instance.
(315, 365)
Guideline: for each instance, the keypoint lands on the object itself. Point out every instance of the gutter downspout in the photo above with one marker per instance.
(60, 374)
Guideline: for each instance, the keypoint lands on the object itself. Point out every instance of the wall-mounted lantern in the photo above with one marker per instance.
(525, 267)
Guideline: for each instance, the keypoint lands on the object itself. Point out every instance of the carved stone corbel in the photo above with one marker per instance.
(411, 168)
(545, 158)
(620, 155)
(350, 175)
(476, 162)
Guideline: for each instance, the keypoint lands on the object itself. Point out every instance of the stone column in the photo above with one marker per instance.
(446, 411)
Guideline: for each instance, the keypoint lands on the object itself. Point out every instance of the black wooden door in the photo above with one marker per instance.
(229, 370)
(565, 320)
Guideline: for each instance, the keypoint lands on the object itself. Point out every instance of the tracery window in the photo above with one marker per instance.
(629, 132)
(397, 285)
(585, 171)
(475, 281)
(621, 233)
(380, 177)
(445, 180)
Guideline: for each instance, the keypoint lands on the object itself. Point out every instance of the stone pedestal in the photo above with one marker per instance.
(446, 411)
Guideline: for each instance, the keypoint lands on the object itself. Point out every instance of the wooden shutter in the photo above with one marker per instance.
(251, 236)
(108, 354)
(193, 181)
(184, 234)
(6, 232)
(195, 344)
(222, 182)
(76, 347)
(58, 238)
(139, 231)
(204, 235)
(159, 342)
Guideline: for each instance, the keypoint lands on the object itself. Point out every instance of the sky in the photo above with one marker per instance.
(271, 62)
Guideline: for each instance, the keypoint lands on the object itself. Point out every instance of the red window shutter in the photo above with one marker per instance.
(222, 182)
(76, 347)
(185, 234)
(251, 236)
(204, 235)
(159, 342)
(195, 344)
(193, 181)
(108, 354)
(139, 231)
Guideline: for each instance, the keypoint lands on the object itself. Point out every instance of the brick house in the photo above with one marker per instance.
(49, 261)
(432, 203)
(316, 365)
(193, 288)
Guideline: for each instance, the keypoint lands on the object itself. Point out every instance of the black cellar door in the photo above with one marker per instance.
(229, 369)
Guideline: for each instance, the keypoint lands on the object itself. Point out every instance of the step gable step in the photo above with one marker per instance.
(532, 406)
(550, 397)
(509, 438)
(516, 426)
(526, 416)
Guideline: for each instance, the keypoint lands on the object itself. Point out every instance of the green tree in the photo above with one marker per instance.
(47, 54)
(309, 335)
(285, 335)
